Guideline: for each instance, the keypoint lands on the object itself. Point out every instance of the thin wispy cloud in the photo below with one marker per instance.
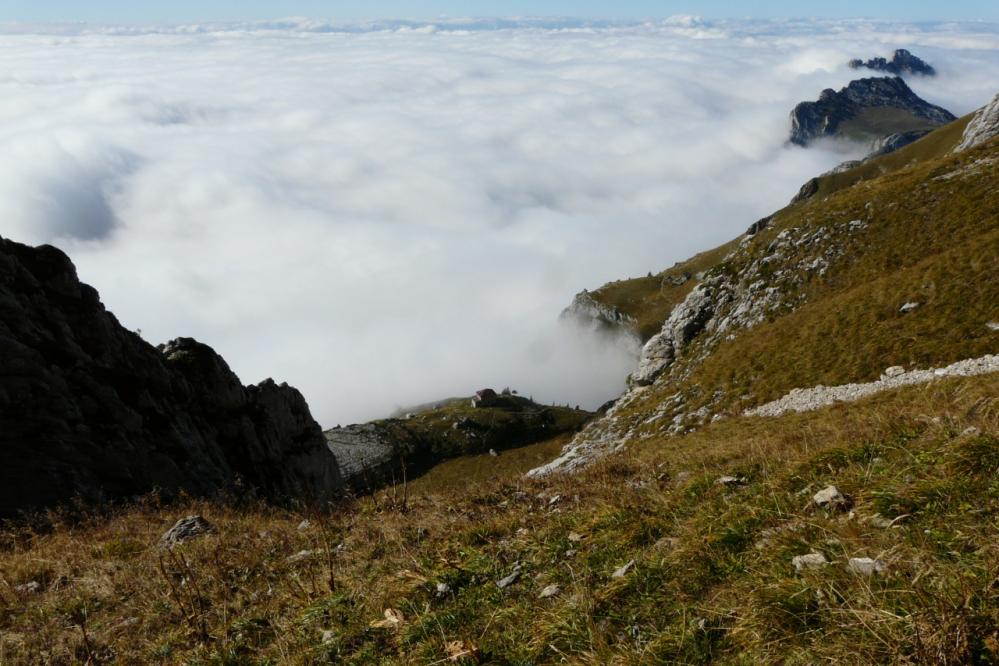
(387, 213)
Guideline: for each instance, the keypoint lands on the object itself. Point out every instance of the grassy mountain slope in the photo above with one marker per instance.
(930, 235)
(876, 122)
(712, 580)
(649, 300)
(935, 145)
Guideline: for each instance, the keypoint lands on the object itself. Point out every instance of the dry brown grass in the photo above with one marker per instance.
(712, 581)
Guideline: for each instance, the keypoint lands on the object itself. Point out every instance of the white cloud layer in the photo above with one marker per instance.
(391, 213)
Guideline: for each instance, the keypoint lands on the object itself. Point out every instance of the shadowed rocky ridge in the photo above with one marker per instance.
(866, 110)
(89, 410)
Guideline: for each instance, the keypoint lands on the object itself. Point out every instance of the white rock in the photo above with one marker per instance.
(508, 581)
(983, 126)
(186, 529)
(830, 498)
(550, 591)
(623, 571)
(328, 637)
(893, 371)
(731, 481)
(443, 589)
(909, 307)
(809, 561)
(992, 325)
(865, 566)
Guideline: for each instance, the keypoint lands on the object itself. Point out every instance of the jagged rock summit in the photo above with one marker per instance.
(90, 411)
(902, 62)
(866, 110)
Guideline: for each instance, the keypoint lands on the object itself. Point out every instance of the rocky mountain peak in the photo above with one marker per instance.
(867, 109)
(902, 62)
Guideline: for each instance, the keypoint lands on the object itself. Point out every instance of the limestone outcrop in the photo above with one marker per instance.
(983, 126)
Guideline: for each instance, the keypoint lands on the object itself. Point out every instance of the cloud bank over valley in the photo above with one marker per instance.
(389, 213)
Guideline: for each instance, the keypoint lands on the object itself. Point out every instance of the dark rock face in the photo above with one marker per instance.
(759, 225)
(902, 62)
(90, 410)
(807, 191)
(883, 96)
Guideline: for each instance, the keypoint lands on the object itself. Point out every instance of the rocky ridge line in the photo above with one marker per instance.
(717, 307)
(810, 399)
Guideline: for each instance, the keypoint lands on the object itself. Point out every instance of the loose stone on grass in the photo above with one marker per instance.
(809, 561)
(300, 556)
(623, 571)
(865, 566)
(504, 583)
(732, 481)
(186, 529)
(550, 591)
(831, 498)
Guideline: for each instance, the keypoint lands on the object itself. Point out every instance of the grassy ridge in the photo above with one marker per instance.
(933, 146)
(931, 237)
(649, 300)
(458, 429)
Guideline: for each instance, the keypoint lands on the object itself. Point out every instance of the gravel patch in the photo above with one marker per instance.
(806, 400)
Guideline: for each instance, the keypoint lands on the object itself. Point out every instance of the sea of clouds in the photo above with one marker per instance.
(388, 213)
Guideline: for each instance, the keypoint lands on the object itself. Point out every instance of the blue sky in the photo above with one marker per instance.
(133, 11)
